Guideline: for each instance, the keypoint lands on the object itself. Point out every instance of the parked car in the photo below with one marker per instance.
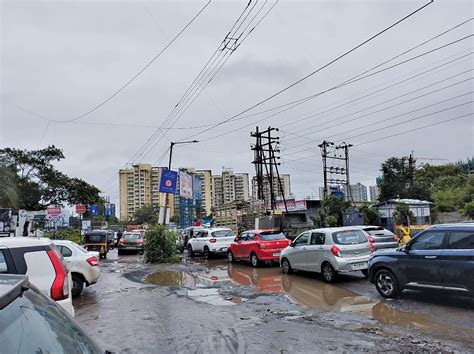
(258, 246)
(131, 241)
(44, 265)
(439, 258)
(328, 251)
(83, 265)
(190, 232)
(211, 241)
(32, 323)
(379, 237)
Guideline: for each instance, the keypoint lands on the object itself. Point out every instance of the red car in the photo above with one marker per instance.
(258, 246)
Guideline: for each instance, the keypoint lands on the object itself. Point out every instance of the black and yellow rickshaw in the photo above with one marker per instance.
(97, 241)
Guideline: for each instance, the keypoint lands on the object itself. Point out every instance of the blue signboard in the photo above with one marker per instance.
(197, 191)
(168, 181)
(94, 210)
(112, 209)
(107, 209)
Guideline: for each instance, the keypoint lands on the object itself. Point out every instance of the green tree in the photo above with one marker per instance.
(331, 221)
(371, 215)
(402, 214)
(334, 206)
(9, 194)
(468, 210)
(146, 215)
(40, 184)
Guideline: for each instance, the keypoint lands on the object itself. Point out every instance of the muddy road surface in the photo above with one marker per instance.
(200, 306)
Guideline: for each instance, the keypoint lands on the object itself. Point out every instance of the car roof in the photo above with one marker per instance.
(334, 229)
(15, 242)
(259, 231)
(11, 286)
(218, 229)
(66, 242)
(464, 226)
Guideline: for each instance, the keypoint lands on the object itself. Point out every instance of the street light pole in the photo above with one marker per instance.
(173, 143)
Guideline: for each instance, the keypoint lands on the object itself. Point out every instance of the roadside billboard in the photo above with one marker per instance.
(168, 181)
(54, 213)
(80, 209)
(197, 191)
(292, 205)
(94, 210)
(185, 185)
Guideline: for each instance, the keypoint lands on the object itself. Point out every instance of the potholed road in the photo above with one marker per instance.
(210, 306)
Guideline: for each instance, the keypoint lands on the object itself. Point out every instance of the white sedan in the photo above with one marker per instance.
(83, 265)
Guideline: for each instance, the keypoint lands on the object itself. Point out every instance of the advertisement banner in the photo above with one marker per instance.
(80, 209)
(185, 185)
(107, 209)
(168, 181)
(292, 205)
(86, 225)
(197, 192)
(54, 213)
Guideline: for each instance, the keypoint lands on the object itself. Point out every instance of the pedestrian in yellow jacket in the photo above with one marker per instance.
(404, 234)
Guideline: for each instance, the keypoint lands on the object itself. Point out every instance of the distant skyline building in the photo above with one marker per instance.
(139, 186)
(374, 193)
(286, 185)
(358, 192)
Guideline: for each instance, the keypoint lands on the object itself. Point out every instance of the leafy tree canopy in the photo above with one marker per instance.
(145, 215)
(36, 183)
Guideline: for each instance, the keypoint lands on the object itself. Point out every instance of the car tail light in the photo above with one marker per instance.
(92, 261)
(371, 244)
(336, 251)
(60, 287)
(212, 240)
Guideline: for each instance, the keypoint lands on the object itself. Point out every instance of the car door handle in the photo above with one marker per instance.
(430, 257)
(304, 248)
(320, 247)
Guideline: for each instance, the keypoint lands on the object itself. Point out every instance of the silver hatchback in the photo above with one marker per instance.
(328, 251)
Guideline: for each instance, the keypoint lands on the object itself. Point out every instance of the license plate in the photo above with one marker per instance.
(358, 266)
(276, 254)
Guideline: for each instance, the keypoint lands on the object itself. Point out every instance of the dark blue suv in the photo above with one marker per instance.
(439, 258)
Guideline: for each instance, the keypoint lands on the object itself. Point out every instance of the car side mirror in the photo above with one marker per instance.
(236, 239)
(404, 249)
(292, 244)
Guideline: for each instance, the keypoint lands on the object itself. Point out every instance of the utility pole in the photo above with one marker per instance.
(332, 159)
(265, 158)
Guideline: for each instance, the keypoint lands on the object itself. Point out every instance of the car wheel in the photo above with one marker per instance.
(207, 254)
(230, 257)
(77, 285)
(190, 250)
(119, 252)
(105, 255)
(254, 260)
(286, 266)
(329, 274)
(386, 284)
(365, 272)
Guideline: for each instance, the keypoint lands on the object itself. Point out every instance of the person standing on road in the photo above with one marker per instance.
(119, 236)
(404, 234)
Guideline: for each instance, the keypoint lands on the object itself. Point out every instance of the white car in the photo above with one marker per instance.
(210, 241)
(40, 260)
(83, 265)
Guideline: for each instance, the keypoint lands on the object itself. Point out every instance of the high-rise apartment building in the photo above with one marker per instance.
(374, 193)
(358, 192)
(285, 185)
(206, 188)
(229, 187)
(139, 186)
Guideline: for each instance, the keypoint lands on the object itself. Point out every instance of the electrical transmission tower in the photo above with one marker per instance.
(266, 166)
(335, 166)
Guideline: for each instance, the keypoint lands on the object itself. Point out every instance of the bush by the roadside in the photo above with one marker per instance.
(160, 245)
(69, 234)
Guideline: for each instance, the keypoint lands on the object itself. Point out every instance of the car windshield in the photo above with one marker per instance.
(132, 236)
(268, 236)
(223, 233)
(381, 232)
(96, 238)
(79, 248)
(349, 237)
(34, 324)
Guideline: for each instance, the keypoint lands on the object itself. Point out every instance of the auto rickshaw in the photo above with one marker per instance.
(97, 241)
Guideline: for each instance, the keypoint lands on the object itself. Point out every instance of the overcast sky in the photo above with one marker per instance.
(59, 59)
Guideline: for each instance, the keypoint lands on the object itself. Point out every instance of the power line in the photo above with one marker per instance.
(115, 93)
(319, 69)
(330, 89)
(332, 121)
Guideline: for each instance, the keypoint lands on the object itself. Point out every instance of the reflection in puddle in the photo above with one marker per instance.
(305, 291)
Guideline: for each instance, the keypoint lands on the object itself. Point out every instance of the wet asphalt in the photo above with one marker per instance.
(200, 306)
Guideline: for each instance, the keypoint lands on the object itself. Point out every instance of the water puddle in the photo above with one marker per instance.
(303, 290)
